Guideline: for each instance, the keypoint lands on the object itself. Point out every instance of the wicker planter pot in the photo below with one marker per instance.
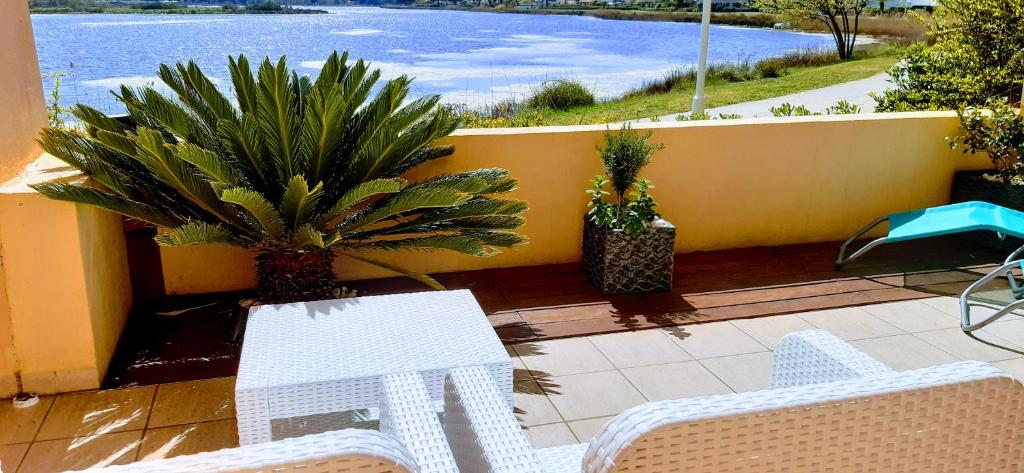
(972, 185)
(617, 263)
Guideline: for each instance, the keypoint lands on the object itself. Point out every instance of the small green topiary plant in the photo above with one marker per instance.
(560, 95)
(624, 154)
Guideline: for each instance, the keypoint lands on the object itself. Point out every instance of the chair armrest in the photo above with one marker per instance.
(407, 414)
(362, 450)
(816, 356)
(827, 423)
(482, 430)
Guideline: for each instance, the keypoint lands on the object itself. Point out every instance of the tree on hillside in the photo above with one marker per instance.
(841, 17)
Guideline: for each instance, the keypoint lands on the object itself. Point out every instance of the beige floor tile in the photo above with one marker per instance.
(1015, 367)
(532, 406)
(850, 323)
(675, 381)
(947, 304)
(97, 412)
(1008, 328)
(768, 330)
(21, 425)
(82, 452)
(750, 372)
(713, 340)
(582, 396)
(914, 316)
(562, 357)
(586, 429)
(167, 442)
(550, 435)
(11, 455)
(193, 401)
(640, 348)
(903, 352)
(986, 347)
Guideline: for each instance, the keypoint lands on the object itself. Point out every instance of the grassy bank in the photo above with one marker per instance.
(726, 85)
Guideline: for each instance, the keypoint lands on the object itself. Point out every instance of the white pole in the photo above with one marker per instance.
(702, 65)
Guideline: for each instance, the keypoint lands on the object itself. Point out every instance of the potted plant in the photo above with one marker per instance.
(300, 171)
(627, 246)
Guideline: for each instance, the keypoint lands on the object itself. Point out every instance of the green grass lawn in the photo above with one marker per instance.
(721, 93)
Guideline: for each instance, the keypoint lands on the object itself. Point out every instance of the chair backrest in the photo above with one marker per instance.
(350, 450)
(961, 417)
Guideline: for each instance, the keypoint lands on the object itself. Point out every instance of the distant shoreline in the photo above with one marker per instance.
(173, 11)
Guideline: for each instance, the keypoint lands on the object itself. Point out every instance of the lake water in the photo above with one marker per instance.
(471, 58)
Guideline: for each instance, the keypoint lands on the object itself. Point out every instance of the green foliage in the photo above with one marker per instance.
(840, 17)
(624, 154)
(789, 110)
(57, 113)
(997, 133)
(843, 107)
(288, 164)
(560, 95)
(977, 56)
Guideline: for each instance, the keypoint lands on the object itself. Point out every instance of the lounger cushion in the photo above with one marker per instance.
(955, 218)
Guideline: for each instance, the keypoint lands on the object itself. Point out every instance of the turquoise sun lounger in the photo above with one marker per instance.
(947, 220)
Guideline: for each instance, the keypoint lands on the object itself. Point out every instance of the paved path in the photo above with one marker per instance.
(816, 100)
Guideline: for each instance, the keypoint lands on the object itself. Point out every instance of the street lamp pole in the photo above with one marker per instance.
(702, 65)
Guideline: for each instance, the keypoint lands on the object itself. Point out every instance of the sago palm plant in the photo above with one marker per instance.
(297, 169)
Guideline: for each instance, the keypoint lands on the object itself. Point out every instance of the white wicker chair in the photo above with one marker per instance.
(830, 408)
(411, 439)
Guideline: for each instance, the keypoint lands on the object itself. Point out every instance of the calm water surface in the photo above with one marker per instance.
(471, 58)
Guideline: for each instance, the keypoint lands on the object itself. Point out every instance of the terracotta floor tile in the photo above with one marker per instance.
(167, 442)
(515, 334)
(562, 314)
(193, 401)
(80, 453)
(21, 425)
(97, 412)
(11, 456)
(505, 319)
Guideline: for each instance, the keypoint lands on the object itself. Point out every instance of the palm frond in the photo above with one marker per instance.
(105, 200)
(360, 193)
(423, 278)
(277, 112)
(299, 201)
(196, 233)
(258, 207)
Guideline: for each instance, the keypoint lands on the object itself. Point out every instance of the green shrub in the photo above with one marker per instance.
(977, 55)
(843, 107)
(624, 154)
(999, 134)
(561, 94)
(789, 110)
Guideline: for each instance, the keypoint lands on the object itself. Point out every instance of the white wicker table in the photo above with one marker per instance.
(324, 357)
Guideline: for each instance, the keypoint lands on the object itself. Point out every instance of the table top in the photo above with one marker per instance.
(310, 342)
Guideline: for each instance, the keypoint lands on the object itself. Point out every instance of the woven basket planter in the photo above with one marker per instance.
(972, 185)
(617, 263)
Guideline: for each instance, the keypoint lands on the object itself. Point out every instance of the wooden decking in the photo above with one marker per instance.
(555, 301)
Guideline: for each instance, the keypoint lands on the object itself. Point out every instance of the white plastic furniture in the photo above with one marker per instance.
(830, 408)
(410, 440)
(322, 357)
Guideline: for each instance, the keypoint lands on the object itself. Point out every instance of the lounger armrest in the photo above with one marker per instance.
(660, 430)
(481, 428)
(816, 356)
(407, 414)
(371, 451)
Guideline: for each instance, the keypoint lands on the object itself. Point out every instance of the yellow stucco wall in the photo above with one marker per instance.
(66, 283)
(725, 184)
(21, 99)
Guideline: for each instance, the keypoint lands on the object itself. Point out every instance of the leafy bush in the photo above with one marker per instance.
(998, 133)
(977, 55)
(297, 170)
(624, 154)
(843, 107)
(561, 95)
(789, 110)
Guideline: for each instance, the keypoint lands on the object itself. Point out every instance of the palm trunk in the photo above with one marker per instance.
(288, 275)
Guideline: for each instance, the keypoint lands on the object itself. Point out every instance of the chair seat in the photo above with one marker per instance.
(955, 218)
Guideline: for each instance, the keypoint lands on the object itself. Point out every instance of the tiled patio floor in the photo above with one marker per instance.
(565, 389)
